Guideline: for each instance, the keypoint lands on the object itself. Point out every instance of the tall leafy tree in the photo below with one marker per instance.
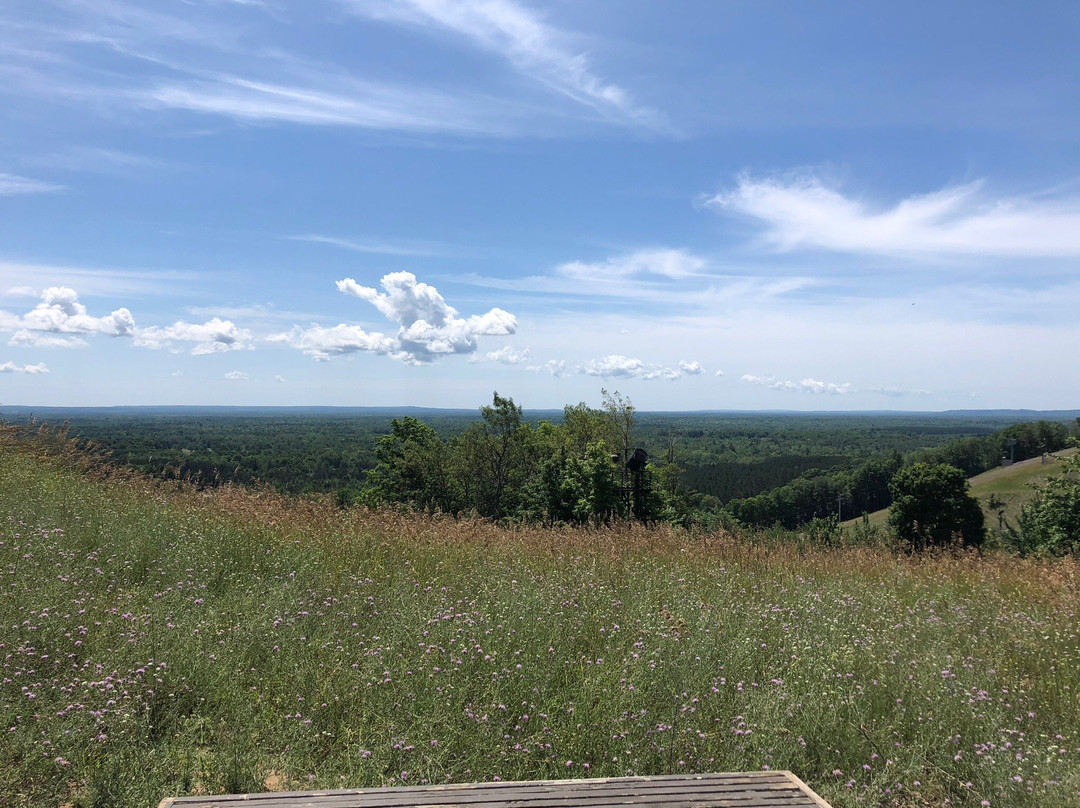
(1050, 522)
(932, 507)
(412, 468)
(493, 458)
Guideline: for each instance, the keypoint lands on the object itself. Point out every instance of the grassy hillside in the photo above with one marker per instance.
(1012, 485)
(158, 641)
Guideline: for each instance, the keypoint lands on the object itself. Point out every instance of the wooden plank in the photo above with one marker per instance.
(780, 789)
(791, 796)
(752, 779)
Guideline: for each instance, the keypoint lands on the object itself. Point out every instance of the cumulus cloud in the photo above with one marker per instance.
(428, 327)
(11, 367)
(556, 367)
(616, 366)
(719, 373)
(279, 379)
(36, 339)
(803, 212)
(322, 343)
(213, 336)
(508, 355)
(808, 385)
(60, 312)
(236, 376)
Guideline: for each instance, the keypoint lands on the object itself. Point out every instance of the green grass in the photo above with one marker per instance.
(157, 642)
(1014, 486)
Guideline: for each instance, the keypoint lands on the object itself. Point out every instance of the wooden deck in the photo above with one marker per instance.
(778, 789)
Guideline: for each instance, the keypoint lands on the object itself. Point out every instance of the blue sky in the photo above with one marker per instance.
(704, 205)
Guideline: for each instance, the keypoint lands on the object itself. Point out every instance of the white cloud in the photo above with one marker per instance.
(100, 161)
(556, 367)
(520, 36)
(322, 343)
(12, 185)
(671, 277)
(213, 336)
(804, 213)
(236, 376)
(11, 367)
(719, 373)
(94, 280)
(670, 263)
(428, 327)
(421, 249)
(279, 379)
(37, 339)
(509, 355)
(615, 366)
(60, 312)
(21, 291)
(330, 101)
(808, 385)
(899, 392)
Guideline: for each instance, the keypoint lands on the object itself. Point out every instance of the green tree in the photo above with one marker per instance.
(583, 426)
(1050, 522)
(493, 459)
(412, 468)
(620, 413)
(931, 507)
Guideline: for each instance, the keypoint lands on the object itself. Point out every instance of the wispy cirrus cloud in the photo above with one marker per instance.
(14, 185)
(205, 63)
(90, 280)
(807, 385)
(664, 276)
(428, 327)
(418, 249)
(96, 160)
(327, 100)
(672, 264)
(523, 38)
(803, 212)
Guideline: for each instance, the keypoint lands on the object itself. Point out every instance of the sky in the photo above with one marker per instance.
(702, 204)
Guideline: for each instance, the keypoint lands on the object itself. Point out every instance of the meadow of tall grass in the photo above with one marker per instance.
(157, 640)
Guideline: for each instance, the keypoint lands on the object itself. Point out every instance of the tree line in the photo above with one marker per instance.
(503, 467)
(864, 488)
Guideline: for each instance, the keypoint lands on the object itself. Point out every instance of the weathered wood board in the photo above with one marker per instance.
(778, 789)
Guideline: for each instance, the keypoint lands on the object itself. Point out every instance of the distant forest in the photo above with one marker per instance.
(760, 469)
